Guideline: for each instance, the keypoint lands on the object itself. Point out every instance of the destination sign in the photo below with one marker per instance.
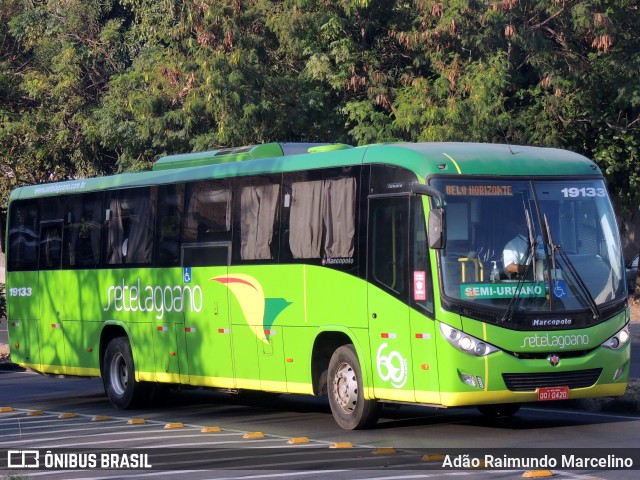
(479, 190)
(498, 290)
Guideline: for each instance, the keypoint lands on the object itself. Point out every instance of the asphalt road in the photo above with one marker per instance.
(255, 438)
(255, 434)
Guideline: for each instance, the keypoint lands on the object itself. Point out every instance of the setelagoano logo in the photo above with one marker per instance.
(149, 298)
(556, 341)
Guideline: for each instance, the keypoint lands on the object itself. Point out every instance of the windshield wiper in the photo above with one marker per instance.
(593, 306)
(530, 256)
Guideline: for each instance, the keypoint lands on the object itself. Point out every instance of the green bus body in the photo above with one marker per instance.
(265, 268)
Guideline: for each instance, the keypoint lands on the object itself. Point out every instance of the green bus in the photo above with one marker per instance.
(442, 274)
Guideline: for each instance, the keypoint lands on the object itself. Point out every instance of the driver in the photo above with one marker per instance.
(514, 253)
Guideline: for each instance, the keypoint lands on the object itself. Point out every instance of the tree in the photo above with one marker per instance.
(223, 75)
(56, 59)
(93, 87)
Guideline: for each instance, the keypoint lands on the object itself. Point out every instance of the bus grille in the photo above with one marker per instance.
(525, 382)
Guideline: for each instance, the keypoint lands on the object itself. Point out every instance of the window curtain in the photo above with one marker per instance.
(339, 215)
(305, 234)
(258, 207)
(322, 218)
(130, 229)
(140, 242)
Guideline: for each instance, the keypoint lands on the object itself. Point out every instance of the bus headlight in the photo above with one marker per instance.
(466, 343)
(619, 340)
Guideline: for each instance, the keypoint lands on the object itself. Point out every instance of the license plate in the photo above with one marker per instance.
(553, 393)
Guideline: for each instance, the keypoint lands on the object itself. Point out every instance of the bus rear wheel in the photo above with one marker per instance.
(346, 394)
(118, 375)
(502, 410)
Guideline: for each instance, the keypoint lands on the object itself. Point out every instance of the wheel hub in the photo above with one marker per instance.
(119, 374)
(345, 389)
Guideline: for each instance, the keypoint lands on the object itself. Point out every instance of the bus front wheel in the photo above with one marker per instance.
(118, 375)
(346, 394)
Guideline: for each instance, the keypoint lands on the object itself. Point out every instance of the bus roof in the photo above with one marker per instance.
(424, 159)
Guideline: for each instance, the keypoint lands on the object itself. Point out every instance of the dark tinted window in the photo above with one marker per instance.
(203, 255)
(389, 244)
(207, 215)
(389, 179)
(82, 231)
(50, 245)
(129, 226)
(170, 209)
(24, 236)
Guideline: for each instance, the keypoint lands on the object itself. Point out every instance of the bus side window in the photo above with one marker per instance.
(258, 209)
(167, 238)
(422, 288)
(82, 231)
(322, 218)
(129, 221)
(50, 245)
(305, 219)
(208, 212)
(50, 250)
(388, 244)
(24, 237)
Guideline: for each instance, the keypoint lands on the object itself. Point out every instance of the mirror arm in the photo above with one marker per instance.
(419, 189)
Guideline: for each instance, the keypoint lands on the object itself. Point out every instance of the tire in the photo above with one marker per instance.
(346, 394)
(118, 376)
(502, 410)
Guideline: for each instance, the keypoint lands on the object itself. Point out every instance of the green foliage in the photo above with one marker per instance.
(54, 64)
(92, 87)
(619, 157)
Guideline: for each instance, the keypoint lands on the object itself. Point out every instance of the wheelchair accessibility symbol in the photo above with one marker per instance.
(186, 275)
(560, 288)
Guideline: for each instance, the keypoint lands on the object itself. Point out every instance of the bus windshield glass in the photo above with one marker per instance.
(523, 248)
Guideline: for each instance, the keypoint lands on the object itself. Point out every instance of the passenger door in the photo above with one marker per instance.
(207, 329)
(388, 297)
(51, 286)
(23, 297)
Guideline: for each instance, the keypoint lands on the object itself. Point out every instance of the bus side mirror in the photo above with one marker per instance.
(436, 227)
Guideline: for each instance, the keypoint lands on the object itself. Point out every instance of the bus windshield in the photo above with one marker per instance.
(520, 249)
